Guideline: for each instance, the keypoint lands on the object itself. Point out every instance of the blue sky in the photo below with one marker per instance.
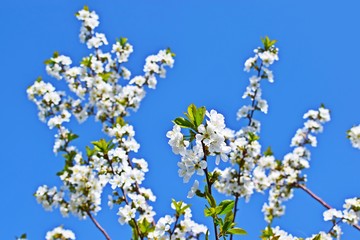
(319, 49)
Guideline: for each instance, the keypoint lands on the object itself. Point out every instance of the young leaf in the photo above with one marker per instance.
(211, 200)
(191, 112)
(200, 115)
(317, 237)
(225, 227)
(168, 51)
(229, 217)
(238, 231)
(182, 122)
(72, 136)
(209, 211)
(268, 152)
(225, 207)
(55, 54)
(123, 41)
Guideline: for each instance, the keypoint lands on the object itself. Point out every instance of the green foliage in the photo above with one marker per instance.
(238, 231)
(184, 123)
(22, 236)
(180, 207)
(103, 146)
(267, 42)
(145, 227)
(168, 50)
(268, 152)
(122, 41)
(105, 76)
(253, 137)
(86, 61)
(317, 237)
(225, 207)
(194, 118)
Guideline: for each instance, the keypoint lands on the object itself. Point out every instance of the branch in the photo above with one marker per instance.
(175, 225)
(322, 202)
(102, 230)
(209, 186)
(250, 117)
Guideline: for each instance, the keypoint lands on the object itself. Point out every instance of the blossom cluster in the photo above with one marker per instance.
(59, 233)
(169, 227)
(102, 87)
(354, 135)
(210, 140)
(287, 174)
(260, 62)
(283, 235)
(249, 170)
(350, 215)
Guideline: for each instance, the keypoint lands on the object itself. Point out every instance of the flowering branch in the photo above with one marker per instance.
(96, 90)
(321, 201)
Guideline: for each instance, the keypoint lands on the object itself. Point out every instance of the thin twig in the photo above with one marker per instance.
(175, 225)
(102, 230)
(322, 202)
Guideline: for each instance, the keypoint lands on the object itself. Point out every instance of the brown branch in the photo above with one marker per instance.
(102, 230)
(322, 202)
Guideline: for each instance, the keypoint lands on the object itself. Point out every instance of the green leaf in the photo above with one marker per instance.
(86, 61)
(55, 54)
(225, 227)
(145, 226)
(253, 137)
(182, 210)
(105, 76)
(182, 122)
(123, 41)
(173, 201)
(200, 115)
(120, 121)
(225, 207)
(268, 152)
(209, 211)
(48, 62)
(229, 217)
(211, 199)
(86, 8)
(72, 136)
(267, 42)
(317, 237)
(168, 51)
(89, 151)
(100, 145)
(238, 231)
(267, 233)
(103, 146)
(191, 112)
